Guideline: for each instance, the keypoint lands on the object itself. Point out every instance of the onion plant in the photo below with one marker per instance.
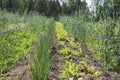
(42, 62)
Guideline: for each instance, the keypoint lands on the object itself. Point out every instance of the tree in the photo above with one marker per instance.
(78, 4)
(30, 5)
(64, 8)
(40, 6)
(58, 6)
(1, 5)
(14, 5)
(74, 5)
(5, 4)
(9, 4)
(112, 8)
(99, 9)
(52, 9)
(22, 6)
(71, 7)
(116, 8)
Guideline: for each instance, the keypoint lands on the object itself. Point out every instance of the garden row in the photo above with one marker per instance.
(19, 34)
(102, 37)
(73, 60)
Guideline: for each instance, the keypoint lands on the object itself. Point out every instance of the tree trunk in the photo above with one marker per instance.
(1, 4)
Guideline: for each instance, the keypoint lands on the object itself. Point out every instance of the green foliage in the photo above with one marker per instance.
(18, 35)
(62, 36)
(42, 62)
(91, 69)
(83, 66)
(74, 71)
(50, 8)
(97, 73)
(73, 44)
(41, 6)
(101, 37)
(22, 6)
(14, 46)
(61, 33)
(111, 48)
(65, 50)
(71, 70)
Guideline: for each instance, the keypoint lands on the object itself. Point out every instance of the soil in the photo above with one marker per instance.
(57, 60)
(22, 69)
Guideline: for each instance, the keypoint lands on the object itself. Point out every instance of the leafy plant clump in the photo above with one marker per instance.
(14, 47)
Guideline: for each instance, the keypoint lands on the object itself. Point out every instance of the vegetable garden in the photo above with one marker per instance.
(70, 49)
